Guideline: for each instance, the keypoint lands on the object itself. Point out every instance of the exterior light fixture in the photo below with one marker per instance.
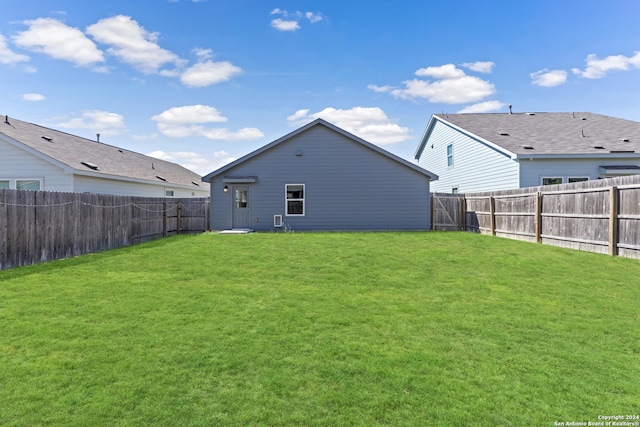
(226, 189)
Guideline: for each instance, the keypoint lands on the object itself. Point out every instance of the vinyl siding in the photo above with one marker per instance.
(86, 184)
(17, 163)
(476, 166)
(347, 187)
(532, 171)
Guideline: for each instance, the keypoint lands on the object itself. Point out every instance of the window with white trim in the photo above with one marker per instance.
(450, 155)
(551, 180)
(168, 192)
(294, 199)
(32, 184)
(578, 179)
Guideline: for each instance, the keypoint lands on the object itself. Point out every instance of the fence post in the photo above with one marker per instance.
(492, 215)
(613, 221)
(463, 212)
(164, 218)
(538, 220)
(179, 220)
(433, 210)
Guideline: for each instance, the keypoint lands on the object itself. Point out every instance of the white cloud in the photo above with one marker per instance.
(53, 38)
(292, 19)
(451, 86)
(381, 89)
(447, 71)
(102, 122)
(195, 162)
(546, 78)
(480, 66)
(188, 121)
(132, 44)
(369, 123)
(203, 53)
(314, 17)
(284, 25)
(244, 134)
(33, 97)
(209, 73)
(448, 91)
(483, 107)
(598, 68)
(7, 56)
(189, 114)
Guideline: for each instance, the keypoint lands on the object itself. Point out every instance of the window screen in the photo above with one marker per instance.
(295, 199)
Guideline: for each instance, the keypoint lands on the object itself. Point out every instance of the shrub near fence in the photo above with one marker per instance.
(600, 216)
(37, 226)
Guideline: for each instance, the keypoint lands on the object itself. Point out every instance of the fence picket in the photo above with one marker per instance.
(599, 216)
(38, 226)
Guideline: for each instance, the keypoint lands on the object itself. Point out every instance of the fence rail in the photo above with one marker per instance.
(600, 216)
(37, 226)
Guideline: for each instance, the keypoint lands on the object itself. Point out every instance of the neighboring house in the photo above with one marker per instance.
(486, 152)
(33, 157)
(320, 177)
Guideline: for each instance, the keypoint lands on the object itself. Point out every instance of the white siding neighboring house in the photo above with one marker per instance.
(33, 157)
(489, 152)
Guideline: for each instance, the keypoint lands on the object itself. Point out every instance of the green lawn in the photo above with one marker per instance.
(332, 329)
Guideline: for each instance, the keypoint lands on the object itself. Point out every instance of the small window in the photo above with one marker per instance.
(168, 193)
(295, 199)
(277, 220)
(242, 198)
(5, 184)
(578, 179)
(551, 181)
(28, 184)
(454, 190)
(450, 155)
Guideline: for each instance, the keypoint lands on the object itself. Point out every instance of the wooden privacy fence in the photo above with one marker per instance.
(600, 216)
(37, 226)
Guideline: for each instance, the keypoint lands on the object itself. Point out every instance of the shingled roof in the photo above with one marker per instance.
(531, 134)
(87, 157)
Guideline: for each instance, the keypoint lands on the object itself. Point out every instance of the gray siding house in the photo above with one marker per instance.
(320, 177)
(33, 157)
(490, 152)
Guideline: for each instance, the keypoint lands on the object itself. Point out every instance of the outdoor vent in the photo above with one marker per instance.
(528, 147)
(531, 114)
(47, 138)
(503, 133)
(621, 151)
(599, 147)
(195, 183)
(623, 139)
(160, 178)
(277, 220)
(90, 165)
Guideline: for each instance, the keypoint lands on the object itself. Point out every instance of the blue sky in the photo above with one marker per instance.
(204, 82)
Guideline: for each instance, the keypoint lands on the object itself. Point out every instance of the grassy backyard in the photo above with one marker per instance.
(332, 329)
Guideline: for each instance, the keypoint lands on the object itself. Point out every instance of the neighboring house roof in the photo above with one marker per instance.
(83, 156)
(321, 122)
(529, 135)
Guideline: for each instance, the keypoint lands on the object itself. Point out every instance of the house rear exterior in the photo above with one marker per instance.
(320, 177)
(490, 152)
(34, 157)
